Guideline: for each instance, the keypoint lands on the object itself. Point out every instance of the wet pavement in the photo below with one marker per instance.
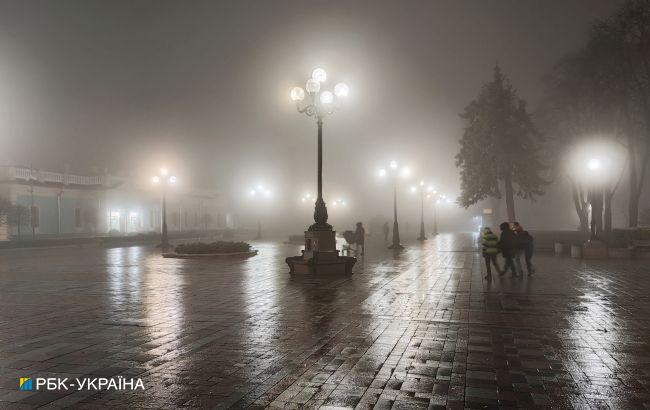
(415, 330)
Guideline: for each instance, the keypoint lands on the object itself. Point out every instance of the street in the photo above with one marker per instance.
(418, 329)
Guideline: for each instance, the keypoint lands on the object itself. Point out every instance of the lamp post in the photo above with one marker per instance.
(320, 252)
(438, 198)
(262, 193)
(425, 192)
(164, 180)
(395, 173)
(321, 104)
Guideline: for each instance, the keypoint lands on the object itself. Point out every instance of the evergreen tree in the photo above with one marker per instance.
(499, 147)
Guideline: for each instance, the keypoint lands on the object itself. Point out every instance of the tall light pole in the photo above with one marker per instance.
(164, 180)
(395, 173)
(425, 192)
(260, 192)
(438, 199)
(321, 104)
(320, 252)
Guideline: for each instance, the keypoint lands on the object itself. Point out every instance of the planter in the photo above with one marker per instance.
(619, 253)
(234, 255)
(561, 248)
(576, 251)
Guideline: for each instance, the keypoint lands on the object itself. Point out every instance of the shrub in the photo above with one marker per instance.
(214, 247)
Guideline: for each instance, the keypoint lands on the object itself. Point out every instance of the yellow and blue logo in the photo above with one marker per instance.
(25, 383)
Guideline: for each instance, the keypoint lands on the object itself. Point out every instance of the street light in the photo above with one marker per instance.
(320, 252)
(164, 180)
(260, 192)
(425, 192)
(394, 171)
(438, 199)
(322, 103)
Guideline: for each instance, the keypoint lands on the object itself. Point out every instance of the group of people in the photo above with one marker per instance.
(513, 244)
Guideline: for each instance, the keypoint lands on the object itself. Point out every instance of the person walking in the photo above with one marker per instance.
(360, 238)
(490, 249)
(385, 229)
(508, 247)
(527, 247)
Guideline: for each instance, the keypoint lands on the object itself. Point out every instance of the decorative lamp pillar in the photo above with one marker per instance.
(320, 254)
(394, 173)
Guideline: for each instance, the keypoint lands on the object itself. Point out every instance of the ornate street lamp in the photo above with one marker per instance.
(320, 252)
(320, 104)
(164, 179)
(394, 172)
(425, 191)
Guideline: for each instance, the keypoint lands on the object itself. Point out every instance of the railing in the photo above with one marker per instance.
(56, 177)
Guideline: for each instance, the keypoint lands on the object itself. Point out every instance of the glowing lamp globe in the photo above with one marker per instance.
(326, 97)
(393, 164)
(312, 86)
(341, 90)
(156, 179)
(319, 75)
(297, 94)
(594, 164)
(172, 179)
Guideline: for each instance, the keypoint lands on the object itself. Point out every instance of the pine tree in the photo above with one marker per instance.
(499, 146)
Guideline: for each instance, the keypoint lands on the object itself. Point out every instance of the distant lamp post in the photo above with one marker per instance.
(425, 191)
(438, 199)
(320, 252)
(164, 180)
(395, 172)
(260, 193)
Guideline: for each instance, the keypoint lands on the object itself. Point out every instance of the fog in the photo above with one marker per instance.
(203, 88)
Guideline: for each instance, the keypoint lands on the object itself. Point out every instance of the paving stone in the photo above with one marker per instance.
(414, 330)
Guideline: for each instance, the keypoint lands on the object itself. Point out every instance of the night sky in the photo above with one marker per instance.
(203, 86)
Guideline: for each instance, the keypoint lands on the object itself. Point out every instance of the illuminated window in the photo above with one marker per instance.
(114, 221)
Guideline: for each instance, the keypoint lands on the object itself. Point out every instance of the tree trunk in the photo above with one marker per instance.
(510, 199)
(633, 204)
(580, 206)
(609, 194)
(596, 201)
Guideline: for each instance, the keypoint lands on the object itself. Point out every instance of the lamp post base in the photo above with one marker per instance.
(396, 246)
(594, 249)
(320, 256)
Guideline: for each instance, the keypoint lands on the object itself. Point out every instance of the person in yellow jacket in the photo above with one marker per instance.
(490, 249)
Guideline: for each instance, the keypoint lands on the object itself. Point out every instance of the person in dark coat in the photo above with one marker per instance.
(508, 247)
(526, 245)
(385, 229)
(490, 250)
(360, 238)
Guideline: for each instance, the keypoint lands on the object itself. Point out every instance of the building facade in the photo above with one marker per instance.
(66, 204)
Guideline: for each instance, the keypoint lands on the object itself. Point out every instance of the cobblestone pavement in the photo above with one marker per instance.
(419, 329)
